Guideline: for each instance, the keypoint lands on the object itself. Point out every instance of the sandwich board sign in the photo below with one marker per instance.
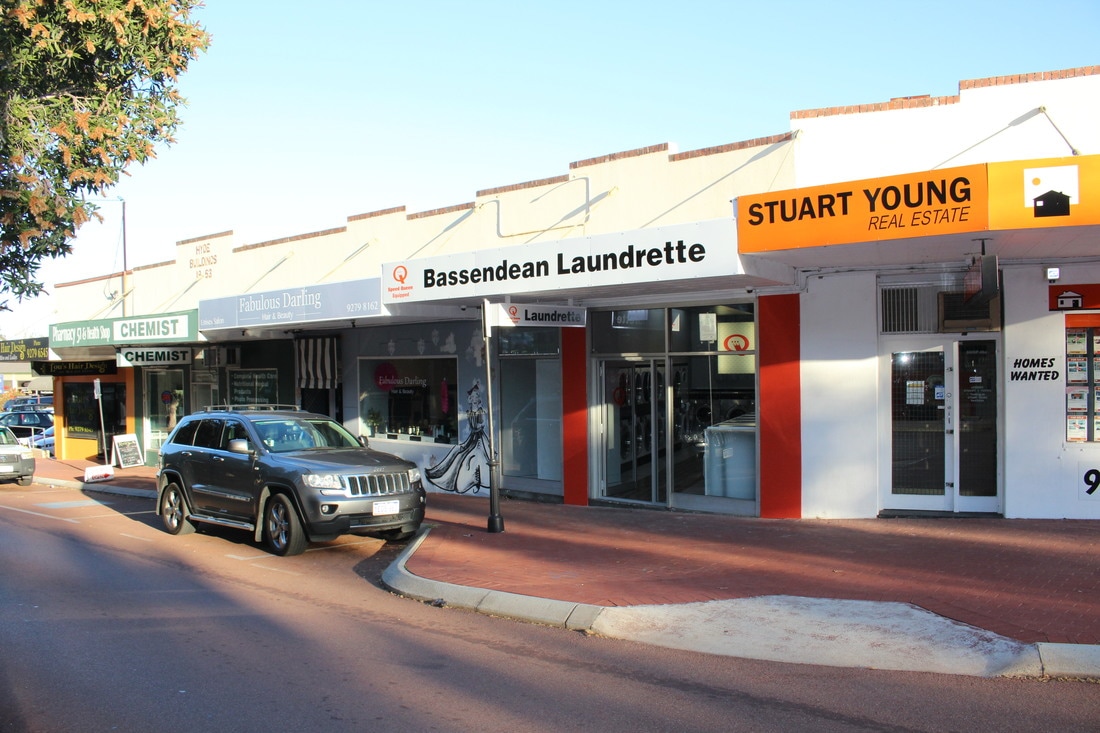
(127, 452)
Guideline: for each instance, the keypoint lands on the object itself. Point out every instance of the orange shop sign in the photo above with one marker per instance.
(949, 201)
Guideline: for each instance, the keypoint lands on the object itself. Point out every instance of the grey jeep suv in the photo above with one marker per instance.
(290, 477)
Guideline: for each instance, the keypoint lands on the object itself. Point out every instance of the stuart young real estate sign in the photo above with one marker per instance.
(680, 252)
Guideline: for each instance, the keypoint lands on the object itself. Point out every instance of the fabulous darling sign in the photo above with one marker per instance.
(681, 252)
(310, 304)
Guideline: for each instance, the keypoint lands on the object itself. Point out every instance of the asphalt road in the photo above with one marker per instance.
(109, 624)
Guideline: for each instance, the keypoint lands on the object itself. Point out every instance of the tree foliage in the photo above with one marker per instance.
(87, 88)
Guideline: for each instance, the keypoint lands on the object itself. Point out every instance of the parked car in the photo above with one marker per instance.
(288, 476)
(32, 407)
(27, 423)
(28, 400)
(42, 441)
(16, 461)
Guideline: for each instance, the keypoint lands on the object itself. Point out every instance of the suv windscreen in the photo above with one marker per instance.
(290, 434)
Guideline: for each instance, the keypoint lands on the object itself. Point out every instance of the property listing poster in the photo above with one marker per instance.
(1082, 395)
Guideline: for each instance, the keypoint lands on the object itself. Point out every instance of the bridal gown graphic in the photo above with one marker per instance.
(465, 469)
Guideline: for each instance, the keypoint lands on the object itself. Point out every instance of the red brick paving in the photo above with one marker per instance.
(1031, 580)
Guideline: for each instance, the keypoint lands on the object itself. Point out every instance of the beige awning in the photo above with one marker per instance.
(39, 384)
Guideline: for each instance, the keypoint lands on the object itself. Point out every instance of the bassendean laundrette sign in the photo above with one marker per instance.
(701, 249)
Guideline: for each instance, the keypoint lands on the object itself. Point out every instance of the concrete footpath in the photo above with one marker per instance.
(983, 597)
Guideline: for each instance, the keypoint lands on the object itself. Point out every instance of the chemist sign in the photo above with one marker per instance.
(163, 328)
(153, 357)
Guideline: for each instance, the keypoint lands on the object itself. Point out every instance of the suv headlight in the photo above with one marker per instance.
(328, 483)
(414, 476)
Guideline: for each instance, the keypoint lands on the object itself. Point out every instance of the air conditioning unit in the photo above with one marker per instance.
(958, 316)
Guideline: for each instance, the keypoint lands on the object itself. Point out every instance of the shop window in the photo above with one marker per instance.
(530, 403)
(164, 405)
(629, 331)
(726, 329)
(528, 341)
(82, 411)
(1083, 384)
(253, 386)
(410, 398)
(530, 414)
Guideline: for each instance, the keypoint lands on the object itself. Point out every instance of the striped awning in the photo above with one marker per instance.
(316, 362)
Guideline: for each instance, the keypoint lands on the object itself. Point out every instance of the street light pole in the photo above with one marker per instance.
(124, 267)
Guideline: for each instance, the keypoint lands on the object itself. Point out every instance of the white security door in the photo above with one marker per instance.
(943, 427)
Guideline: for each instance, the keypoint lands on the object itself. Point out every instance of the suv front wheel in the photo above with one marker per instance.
(282, 528)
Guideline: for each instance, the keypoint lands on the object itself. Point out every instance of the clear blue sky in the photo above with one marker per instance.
(302, 114)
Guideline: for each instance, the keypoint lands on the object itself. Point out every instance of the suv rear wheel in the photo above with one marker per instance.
(173, 511)
(282, 528)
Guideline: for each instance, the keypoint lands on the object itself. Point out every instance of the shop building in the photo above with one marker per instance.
(851, 319)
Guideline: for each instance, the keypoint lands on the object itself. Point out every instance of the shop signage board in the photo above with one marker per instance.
(73, 368)
(25, 349)
(1045, 193)
(948, 201)
(1023, 194)
(161, 328)
(508, 315)
(643, 256)
(127, 452)
(309, 304)
(152, 357)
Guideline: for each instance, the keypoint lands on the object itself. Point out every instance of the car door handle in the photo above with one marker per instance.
(220, 459)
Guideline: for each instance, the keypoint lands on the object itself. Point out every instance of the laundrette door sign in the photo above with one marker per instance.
(508, 315)
(152, 357)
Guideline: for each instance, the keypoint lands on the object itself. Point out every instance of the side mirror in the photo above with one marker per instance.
(363, 441)
(239, 445)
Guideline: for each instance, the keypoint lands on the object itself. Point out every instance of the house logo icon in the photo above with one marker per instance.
(1052, 203)
(1051, 191)
(1069, 300)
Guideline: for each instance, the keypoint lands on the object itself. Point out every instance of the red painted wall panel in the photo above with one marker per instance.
(574, 422)
(779, 406)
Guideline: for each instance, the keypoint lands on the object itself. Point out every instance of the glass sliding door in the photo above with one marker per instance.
(633, 431)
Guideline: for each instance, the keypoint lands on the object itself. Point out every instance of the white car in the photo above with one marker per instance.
(43, 440)
(16, 461)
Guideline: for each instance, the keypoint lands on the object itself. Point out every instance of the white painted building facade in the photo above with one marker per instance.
(827, 432)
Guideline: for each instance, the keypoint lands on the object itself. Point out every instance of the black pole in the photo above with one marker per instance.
(496, 522)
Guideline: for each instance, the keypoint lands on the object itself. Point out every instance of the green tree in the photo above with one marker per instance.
(87, 88)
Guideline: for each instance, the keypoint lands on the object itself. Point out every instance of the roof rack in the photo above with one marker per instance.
(259, 406)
